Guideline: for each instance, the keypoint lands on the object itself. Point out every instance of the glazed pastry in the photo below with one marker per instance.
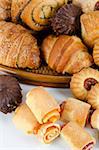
(77, 137)
(10, 94)
(43, 105)
(90, 27)
(82, 82)
(86, 5)
(35, 13)
(66, 54)
(66, 20)
(5, 9)
(95, 119)
(96, 52)
(93, 96)
(74, 110)
(18, 48)
(25, 120)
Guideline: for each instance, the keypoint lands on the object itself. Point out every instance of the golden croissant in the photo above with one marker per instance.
(66, 54)
(18, 48)
(35, 13)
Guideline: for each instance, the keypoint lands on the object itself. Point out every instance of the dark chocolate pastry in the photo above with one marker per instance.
(66, 20)
(10, 94)
(97, 6)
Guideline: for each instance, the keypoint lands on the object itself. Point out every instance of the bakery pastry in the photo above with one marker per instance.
(77, 137)
(90, 27)
(65, 53)
(97, 6)
(93, 96)
(25, 120)
(43, 105)
(86, 5)
(10, 94)
(66, 20)
(5, 9)
(96, 52)
(95, 119)
(18, 48)
(74, 110)
(35, 13)
(82, 82)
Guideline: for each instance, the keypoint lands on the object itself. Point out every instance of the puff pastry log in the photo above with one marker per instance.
(5, 9)
(77, 137)
(25, 120)
(18, 48)
(86, 5)
(66, 54)
(90, 27)
(35, 13)
(96, 52)
(95, 119)
(75, 110)
(43, 105)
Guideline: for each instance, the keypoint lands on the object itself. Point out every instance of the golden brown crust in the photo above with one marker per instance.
(95, 119)
(75, 110)
(96, 52)
(82, 82)
(66, 54)
(90, 27)
(18, 48)
(76, 136)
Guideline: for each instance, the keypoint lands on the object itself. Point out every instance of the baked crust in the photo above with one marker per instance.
(95, 119)
(96, 52)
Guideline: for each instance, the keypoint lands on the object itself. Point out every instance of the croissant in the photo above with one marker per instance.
(90, 27)
(66, 53)
(5, 9)
(35, 13)
(18, 48)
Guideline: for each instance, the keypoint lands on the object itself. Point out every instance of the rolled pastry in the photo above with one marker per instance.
(96, 52)
(25, 120)
(77, 137)
(75, 110)
(95, 119)
(43, 105)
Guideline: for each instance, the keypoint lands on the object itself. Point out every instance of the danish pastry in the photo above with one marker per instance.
(82, 82)
(96, 52)
(95, 119)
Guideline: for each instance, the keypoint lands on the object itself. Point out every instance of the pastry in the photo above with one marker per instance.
(90, 27)
(77, 137)
(66, 54)
(10, 94)
(66, 20)
(95, 119)
(96, 52)
(43, 105)
(82, 82)
(74, 110)
(18, 48)
(86, 5)
(97, 6)
(93, 96)
(35, 13)
(5, 9)
(25, 120)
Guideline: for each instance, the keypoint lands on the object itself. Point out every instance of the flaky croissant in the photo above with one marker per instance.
(66, 53)
(18, 48)
(5, 9)
(35, 13)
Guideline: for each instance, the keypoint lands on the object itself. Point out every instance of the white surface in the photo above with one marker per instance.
(12, 139)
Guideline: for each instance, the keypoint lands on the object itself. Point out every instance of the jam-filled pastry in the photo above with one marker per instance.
(93, 96)
(43, 105)
(25, 120)
(74, 110)
(90, 27)
(86, 5)
(96, 52)
(35, 13)
(77, 137)
(66, 53)
(82, 82)
(95, 119)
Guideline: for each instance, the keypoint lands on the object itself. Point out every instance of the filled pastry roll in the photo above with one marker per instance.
(77, 137)
(82, 82)
(43, 105)
(93, 96)
(75, 110)
(95, 119)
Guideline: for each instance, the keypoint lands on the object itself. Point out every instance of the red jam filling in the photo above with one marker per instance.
(97, 6)
(89, 82)
(88, 146)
